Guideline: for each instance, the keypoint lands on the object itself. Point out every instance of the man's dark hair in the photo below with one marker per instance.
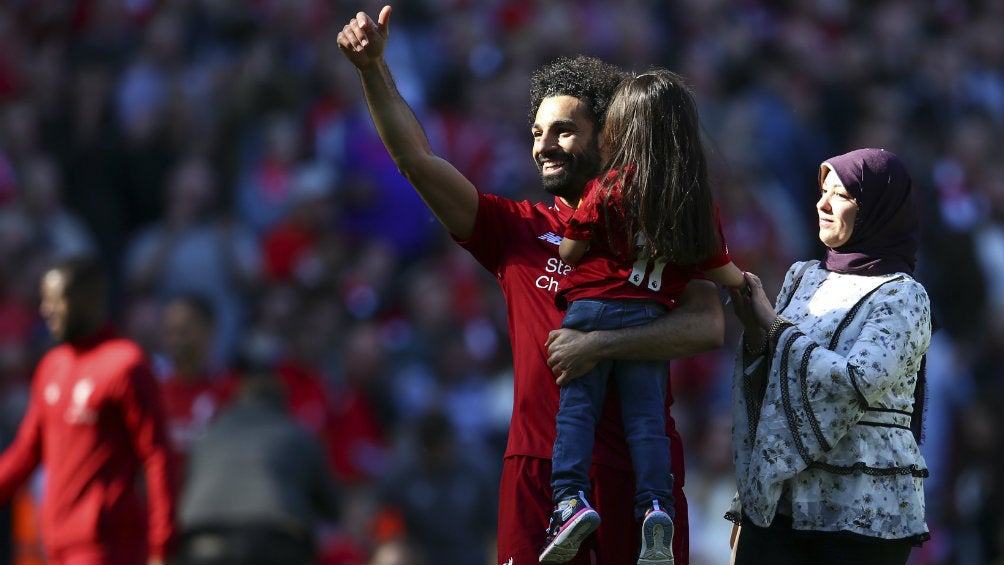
(199, 304)
(84, 274)
(589, 79)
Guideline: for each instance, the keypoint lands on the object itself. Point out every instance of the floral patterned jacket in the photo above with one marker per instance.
(830, 442)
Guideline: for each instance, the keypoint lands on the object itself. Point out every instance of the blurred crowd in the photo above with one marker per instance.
(219, 153)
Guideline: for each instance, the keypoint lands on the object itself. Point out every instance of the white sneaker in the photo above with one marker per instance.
(656, 538)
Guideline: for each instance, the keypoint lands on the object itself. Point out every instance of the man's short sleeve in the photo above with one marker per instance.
(583, 222)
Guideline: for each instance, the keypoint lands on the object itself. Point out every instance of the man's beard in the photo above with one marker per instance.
(569, 182)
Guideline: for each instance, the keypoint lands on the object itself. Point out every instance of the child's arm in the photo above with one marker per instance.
(728, 275)
(572, 250)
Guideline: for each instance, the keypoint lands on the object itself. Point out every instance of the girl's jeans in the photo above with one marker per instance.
(641, 386)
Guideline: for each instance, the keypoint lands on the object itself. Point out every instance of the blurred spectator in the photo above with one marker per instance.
(268, 173)
(710, 488)
(59, 233)
(197, 248)
(18, 293)
(362, 420)
(148, 118)
(13, 395)
(87, 145)
(367, 283)
(305, 366)
(950, 390)
(426, 336)
(258, 484)
(370, 180)
(394, 552)
(193, 388)
(302, 247)
(979, 461)
(20, 129)
(445, 499)
(359, 530)
(35, 230)
(329, 391)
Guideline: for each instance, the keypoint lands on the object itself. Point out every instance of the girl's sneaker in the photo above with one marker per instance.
(572, 522)
(656, 537)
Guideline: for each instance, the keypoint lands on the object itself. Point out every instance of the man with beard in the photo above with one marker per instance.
(518, 242)
(94, 420)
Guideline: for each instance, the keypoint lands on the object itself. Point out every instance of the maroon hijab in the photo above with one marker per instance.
(886, 230)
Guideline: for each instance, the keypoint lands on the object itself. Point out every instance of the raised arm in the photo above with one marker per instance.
(450, 196)
(696, 325)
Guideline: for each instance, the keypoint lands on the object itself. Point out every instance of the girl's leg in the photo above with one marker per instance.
(579, 405)
(642, 389)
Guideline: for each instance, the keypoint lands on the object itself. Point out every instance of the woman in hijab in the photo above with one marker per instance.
(828, 386)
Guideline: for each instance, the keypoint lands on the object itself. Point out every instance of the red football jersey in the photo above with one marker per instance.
(190, 406)
(518, 242)
(95, 421)
(610, 269)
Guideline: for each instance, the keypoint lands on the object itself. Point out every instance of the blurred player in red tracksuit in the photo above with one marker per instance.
(94, 421)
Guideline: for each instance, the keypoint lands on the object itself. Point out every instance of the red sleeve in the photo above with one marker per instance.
(496, 215)
(583, 221)
(721, 258)
(145, 419)
(20, 459)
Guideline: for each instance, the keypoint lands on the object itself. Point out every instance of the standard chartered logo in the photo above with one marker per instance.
(554, 270)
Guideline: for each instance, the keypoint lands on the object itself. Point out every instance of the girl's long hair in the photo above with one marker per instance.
(653, 139)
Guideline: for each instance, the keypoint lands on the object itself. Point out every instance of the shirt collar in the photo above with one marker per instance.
(564, 210)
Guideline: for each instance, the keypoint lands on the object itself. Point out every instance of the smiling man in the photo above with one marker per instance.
(564, 140)
(518, 242)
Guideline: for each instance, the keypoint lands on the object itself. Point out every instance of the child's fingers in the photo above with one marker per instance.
(748, 287)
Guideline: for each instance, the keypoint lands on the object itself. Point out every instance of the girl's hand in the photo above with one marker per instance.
(753, 308)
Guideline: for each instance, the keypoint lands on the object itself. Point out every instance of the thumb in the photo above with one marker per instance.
(383, 20)
(562, 378)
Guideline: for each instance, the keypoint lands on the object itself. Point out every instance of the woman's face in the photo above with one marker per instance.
(836, 210)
